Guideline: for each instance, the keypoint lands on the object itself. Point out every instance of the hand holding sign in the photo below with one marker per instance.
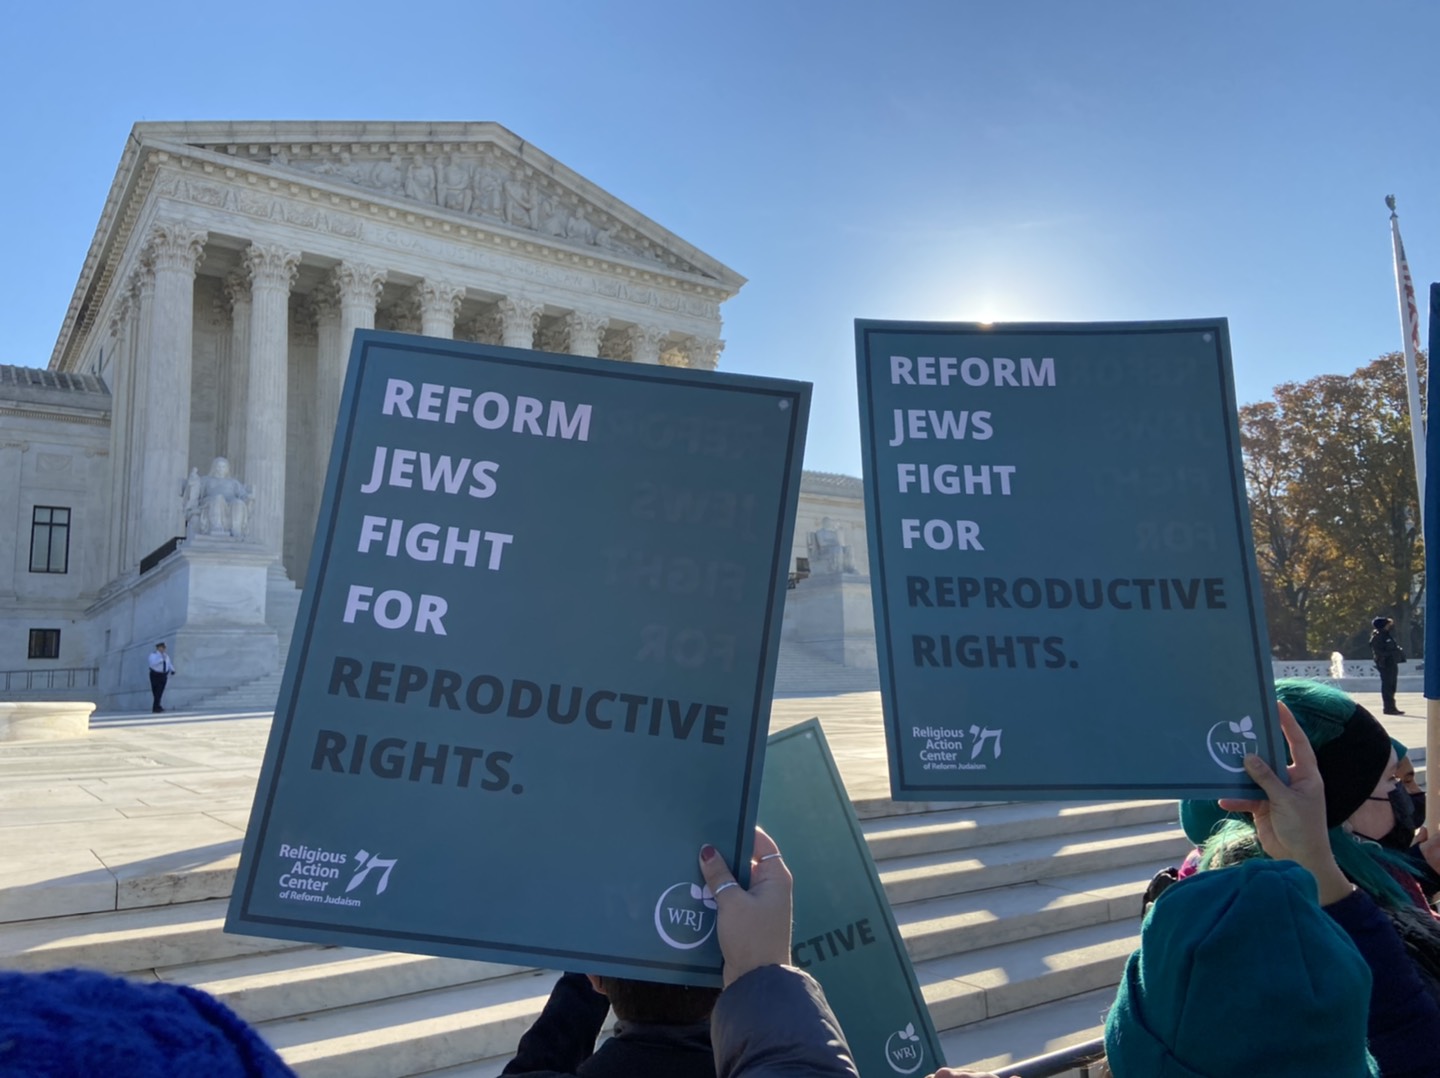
(1291, 823)
(754, 925)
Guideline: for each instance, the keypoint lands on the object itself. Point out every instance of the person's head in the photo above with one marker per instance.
(76, 1021)
(1357, 762)
(652, 1003)
(220, 467)
(1405, 769)
(1249, 941)
(160, 646)
(1382, 623)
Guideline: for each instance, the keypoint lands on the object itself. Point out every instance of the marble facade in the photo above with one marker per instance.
(212, 318)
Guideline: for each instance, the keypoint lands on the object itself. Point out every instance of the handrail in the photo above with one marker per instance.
(66, 677)
(1082, 1056)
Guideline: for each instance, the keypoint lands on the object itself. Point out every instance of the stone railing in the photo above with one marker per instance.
(1354, 668)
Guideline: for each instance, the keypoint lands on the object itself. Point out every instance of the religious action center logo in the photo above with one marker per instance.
(314, 874)
(685, 915)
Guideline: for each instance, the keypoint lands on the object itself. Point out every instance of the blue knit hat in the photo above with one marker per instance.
(1240, 972)
(73, 1022)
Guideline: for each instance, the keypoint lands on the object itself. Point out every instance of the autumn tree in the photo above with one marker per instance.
(1334, 509)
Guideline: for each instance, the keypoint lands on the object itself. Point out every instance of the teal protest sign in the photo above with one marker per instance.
(532, 667)
(845, 934)
(1062, 569)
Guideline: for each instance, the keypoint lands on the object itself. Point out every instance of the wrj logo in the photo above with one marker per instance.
(685, 915)
(905, 1051)
(1230, 742)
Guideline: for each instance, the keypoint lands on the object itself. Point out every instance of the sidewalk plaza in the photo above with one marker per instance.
(142, 820)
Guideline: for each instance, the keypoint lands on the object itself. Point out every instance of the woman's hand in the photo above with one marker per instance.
(1291, 822)
(753, 925)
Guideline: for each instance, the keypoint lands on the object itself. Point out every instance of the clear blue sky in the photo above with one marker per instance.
(996, 160)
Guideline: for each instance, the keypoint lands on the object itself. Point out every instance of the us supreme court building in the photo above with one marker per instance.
(212, 318)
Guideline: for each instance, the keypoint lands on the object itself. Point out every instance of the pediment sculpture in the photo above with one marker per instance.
(217, 504)
(485, 183)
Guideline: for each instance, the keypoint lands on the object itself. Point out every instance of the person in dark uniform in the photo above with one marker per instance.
(1388, 658)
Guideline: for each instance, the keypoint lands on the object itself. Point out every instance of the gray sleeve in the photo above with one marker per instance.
(774, 1023)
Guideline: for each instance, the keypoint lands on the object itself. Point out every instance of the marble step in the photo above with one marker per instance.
(911, 879)
(268, 987)
(994, 1043)
(412, 1034)
(957, 924)
(469, 1031)
(129, 941)
(1003, 823)
(963, 989)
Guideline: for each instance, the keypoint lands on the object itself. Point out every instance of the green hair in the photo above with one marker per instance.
(1322, 712)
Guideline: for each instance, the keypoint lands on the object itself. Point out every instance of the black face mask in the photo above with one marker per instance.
(1417, 802)
(1402, 835)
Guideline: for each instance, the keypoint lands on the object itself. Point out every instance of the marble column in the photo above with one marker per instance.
(585, 330)
(121, 377)
(519, 317)
(645, 343)
(272, 271)
(329, 359)
(142, 299)
(355, 289)
(175, 249)
(439, 305)
(703, 353)
(237, 291)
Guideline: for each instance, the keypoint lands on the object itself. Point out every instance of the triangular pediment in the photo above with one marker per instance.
(480, 172)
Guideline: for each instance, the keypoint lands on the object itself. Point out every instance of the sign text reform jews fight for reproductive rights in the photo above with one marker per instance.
(1062, 568)
(531, 670)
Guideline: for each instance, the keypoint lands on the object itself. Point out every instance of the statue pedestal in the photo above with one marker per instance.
(831, 615)
(207, 601)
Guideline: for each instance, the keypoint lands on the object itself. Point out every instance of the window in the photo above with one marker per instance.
(50, 540)
(44, 643)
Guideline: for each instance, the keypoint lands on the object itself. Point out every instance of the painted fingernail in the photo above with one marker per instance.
(708, 852)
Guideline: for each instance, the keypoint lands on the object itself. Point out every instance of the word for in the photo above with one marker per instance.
(489, 410)
(974, 371)
(394, 609)
(836, 941)
(421, 542)
(437, 473)
(1027, 593)
(689, 649)
(939, 535)
(397, 758)
(997, 651)
(946, 478)
(1152, 481)
(911, 423)
(485, 694)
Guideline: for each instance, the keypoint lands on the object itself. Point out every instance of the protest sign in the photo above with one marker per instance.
(845, 934)
(532, 667)
(1064, 581)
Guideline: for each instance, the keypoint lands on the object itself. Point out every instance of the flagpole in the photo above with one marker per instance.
(1410, 331)
(1432, 600)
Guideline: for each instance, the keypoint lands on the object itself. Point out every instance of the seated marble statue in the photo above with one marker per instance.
(217, 504)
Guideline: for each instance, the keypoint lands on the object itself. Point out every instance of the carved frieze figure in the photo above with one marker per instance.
(420, 180)
(579, 228)
(488, 188)
(389, 176)
(552, 217)
(455, 191)
(519, 202)
(217, 504)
